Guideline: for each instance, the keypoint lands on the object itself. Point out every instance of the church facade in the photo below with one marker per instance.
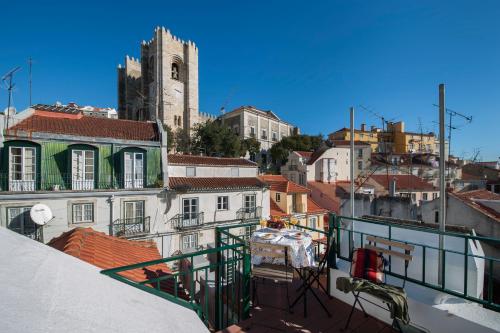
(162, 84)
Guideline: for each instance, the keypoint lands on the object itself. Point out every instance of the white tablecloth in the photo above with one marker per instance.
(301, 250)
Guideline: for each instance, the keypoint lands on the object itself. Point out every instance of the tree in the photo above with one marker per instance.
(281, 150)
(215, 139)
(250, 145)
(182, 141)
(170, 137)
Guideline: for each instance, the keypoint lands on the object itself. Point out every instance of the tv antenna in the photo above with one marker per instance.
(7, 81)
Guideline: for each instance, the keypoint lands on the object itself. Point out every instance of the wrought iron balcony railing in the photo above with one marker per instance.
(249, 213)
(74, 182)
(186, 220)
(130, 227)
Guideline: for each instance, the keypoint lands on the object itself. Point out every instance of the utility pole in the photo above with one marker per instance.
(442, 181)
(30, 62)
(351, 157)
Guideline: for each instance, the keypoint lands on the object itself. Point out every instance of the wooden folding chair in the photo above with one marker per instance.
(279, 273)
(404, 253)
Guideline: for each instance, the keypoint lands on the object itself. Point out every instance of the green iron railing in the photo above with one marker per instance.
(213, 282)
(455, 273)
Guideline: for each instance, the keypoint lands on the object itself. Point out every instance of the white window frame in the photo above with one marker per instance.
(191, 216)
(223, 202)
(190, 171)
(81, 178)
(425, 196)
(80, 211)
(135, 216)
(189, 241)
(134, 178)
(274, 136)
(252, 131)
(313, 222)
(249, 202)
(235, 172)
(264, 134)
(25, 219)
(27, 180)
(360, 153)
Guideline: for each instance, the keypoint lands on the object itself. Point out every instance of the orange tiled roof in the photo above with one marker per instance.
(313, 207)
(275, 209)
(106, 252)
(80, 125)
(404, 182)
(281, 184)
(193, 183)
(207, 160)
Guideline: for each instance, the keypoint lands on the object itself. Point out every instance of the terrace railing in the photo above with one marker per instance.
(68, 181)
(456, 268)
(130, 227)
(213, 282)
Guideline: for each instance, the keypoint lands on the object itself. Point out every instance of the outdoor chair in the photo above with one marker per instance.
(367, 276)
(279, 273)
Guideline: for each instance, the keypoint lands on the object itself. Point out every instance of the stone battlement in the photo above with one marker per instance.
(167, 32)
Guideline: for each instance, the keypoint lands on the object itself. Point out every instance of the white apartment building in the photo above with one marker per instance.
(265, 126)
(205, 192)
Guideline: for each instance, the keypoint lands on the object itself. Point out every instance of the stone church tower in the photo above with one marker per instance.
(163, 84)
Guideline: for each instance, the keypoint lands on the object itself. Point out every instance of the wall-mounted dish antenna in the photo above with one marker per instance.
(41, 214)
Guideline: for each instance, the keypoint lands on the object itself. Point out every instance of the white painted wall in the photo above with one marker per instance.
(212, 171)
(332, 166)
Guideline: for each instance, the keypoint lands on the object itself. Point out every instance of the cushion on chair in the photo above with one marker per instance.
(368, 265)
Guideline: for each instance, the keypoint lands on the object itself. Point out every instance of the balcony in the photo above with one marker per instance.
(220, 290)
(249, 213)
(130, 227)
(71, 182)
(187, 221)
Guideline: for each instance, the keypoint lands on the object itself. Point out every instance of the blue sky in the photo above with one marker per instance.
(307, 61)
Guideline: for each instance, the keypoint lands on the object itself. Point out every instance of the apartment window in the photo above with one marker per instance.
(292, 177)
(434, 196)
(278, 197)
(190, 171)
(252, 131)
(223, 203)
(83, 213)
(236, 129)
(133, 211)
(189, 241)
(313, 222)
(235, 172)
(436, 216)
(19, 220)
(360, 165)
(302, 180)
(360, 153)
(134, 170)
(424, 196)
(264, 134)
(275, 136)
(249, 203)
(82, 169)
(22, 168)
(190, 214)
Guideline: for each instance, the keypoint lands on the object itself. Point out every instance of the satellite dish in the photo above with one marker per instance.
(41, 214)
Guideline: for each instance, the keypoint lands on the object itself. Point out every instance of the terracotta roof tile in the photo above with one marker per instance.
(80, 125)
(472, 199)
(192, 183)
(103, 251)
(313, 207)
(207, 160)
(305, 154)
(275, 209)
(281, 184)
(404, 182)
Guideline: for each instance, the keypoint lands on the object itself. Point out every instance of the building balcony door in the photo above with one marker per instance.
(22, 168)
(190, 212)
(82, 170)
(134, 170)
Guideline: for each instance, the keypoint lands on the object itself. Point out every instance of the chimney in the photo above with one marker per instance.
(392, 187)
(363, 127)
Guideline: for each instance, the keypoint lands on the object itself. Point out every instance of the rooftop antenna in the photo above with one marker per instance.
(452, 114)
(7, 80)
